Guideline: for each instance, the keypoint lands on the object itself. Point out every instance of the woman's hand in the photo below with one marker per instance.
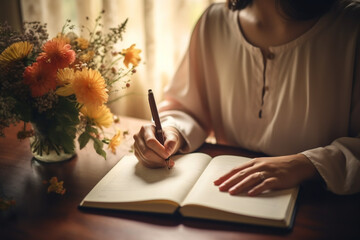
(150, 152)
(261, 174)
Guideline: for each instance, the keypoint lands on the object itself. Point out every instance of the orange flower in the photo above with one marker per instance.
(131, 56)
(40, 79)
(57, 53)
(115, 141)
(87, 56)
(56, 186)
(90, 88)
(100, 116)
(82, 43)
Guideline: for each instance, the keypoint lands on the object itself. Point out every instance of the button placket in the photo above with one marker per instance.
(265, 88)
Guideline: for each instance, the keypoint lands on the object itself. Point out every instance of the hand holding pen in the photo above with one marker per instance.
(154, 144)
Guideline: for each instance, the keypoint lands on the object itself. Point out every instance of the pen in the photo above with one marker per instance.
(159, 134)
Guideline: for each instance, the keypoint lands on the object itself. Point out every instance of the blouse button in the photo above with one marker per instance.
(271, 56)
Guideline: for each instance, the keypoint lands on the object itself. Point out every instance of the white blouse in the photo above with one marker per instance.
(306, 100)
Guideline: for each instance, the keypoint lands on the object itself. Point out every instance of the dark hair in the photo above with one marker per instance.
(293, 9)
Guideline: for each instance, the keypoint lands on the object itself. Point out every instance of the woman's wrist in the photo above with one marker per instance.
(309, 170)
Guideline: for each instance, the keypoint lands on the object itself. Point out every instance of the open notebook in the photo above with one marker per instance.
(189, 189)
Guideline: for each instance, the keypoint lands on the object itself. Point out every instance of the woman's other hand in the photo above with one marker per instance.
(267, 173)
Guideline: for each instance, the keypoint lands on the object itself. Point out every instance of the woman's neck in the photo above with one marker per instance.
(264, 25)
(265, 14)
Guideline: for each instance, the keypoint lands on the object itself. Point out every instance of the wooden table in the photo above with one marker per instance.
(38, 215)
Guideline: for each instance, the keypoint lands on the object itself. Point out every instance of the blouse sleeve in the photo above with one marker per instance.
(339, 163)
(185, 104)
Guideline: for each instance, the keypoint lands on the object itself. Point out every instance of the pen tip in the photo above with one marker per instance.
(149, 91)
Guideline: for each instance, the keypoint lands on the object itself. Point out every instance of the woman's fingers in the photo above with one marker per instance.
(151, 152)
(148, 135)
(147, 156)
(267, 184)
(147, 149)
(241, 181)
(245, 178)
(247, 183)
(173, 140)
(254, 184)
(235, 171)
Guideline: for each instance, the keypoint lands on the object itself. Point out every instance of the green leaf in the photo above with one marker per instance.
(83, 139)
(69, 146)
(63, 139)
(89, 129)
(98, 145)
(67, 112)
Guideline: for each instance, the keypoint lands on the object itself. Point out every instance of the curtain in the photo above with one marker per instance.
(160, 28)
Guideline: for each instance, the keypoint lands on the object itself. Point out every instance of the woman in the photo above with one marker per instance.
(277, 77)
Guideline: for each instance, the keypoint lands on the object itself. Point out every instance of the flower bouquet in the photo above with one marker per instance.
(61, 86)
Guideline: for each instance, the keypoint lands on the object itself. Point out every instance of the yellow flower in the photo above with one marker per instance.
(90, 88)
(15, 51)
(100, 116)
(82, 43)
(55, 186)
(131, 56)
(87, 56)
(115, 141)
(65, 78)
